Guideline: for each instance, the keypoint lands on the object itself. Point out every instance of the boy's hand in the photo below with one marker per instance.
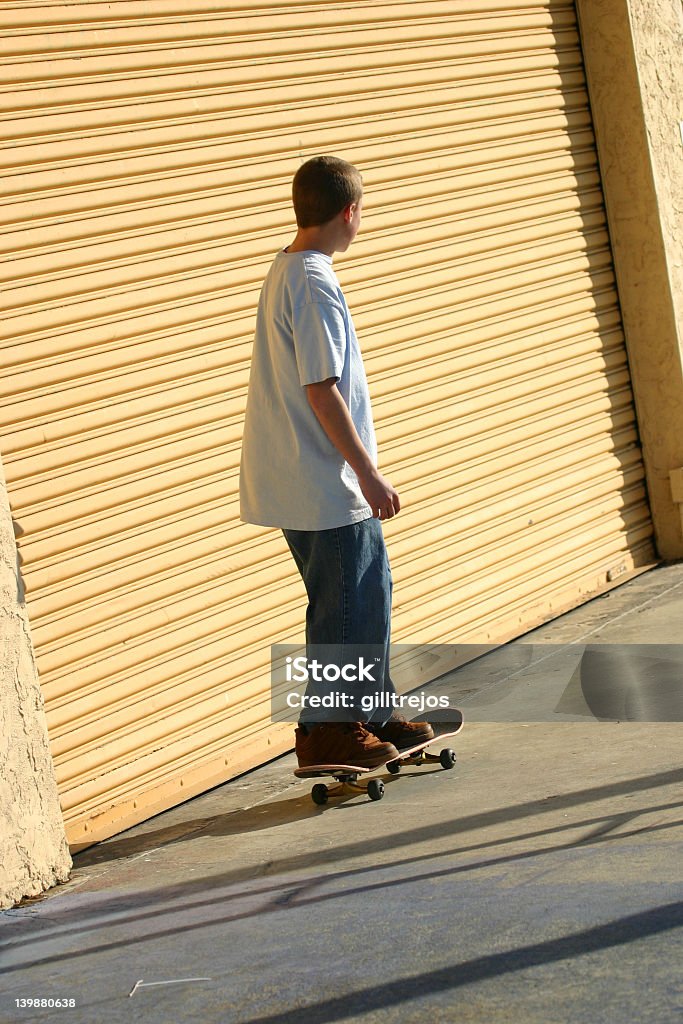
(380, 495)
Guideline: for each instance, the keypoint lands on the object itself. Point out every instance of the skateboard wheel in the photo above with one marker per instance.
(375, 789)
(447, 757)
(319, 793)
(393, 767)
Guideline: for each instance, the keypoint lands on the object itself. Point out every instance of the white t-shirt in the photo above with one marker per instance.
(291, 475)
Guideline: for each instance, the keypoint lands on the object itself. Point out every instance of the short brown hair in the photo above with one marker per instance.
(322, 187)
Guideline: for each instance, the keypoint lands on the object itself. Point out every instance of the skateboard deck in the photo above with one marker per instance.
(347, 775)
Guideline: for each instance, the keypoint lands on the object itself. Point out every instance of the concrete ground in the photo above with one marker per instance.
(540, 881)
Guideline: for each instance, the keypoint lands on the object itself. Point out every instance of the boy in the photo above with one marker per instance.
(309, 458)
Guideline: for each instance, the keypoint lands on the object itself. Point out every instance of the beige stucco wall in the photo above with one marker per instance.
(34, 854)
(632, 50)
(657, 27)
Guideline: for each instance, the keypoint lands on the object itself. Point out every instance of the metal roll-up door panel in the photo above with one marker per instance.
(147, 153)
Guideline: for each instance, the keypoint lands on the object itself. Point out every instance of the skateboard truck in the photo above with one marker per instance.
(347, 781)
(346, 777)
(446, 758)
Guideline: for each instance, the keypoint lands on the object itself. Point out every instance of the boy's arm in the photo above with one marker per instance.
(335, 419)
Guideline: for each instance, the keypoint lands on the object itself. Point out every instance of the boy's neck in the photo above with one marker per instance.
(316, 238)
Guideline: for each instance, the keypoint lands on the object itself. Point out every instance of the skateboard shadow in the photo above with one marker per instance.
(268, 815)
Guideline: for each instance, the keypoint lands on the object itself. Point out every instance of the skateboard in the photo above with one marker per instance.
(346, 776)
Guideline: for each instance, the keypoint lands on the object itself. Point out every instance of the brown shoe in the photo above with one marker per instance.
(401, 733)
(342, 743)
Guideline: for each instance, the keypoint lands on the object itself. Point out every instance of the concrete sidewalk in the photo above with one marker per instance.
(540, 881)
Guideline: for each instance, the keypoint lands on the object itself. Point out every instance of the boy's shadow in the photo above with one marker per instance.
(240, 822)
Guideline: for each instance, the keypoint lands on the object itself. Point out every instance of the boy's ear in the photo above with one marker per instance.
(348, 212)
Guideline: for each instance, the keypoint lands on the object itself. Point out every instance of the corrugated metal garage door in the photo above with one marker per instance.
(147, 153)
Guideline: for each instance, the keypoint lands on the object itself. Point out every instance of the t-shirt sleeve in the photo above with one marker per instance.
(319, 333)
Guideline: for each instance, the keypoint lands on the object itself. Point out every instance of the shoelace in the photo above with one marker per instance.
(358, 730)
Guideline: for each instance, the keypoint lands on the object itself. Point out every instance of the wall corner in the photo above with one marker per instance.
(632, 61)
(34, 853)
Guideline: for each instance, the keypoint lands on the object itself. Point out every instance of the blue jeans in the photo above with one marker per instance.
(348, 581)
